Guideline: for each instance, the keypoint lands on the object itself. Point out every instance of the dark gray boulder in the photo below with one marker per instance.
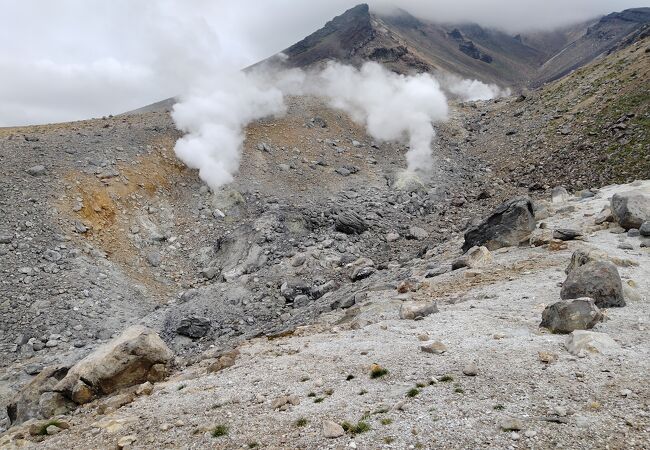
(570, 315)
(644, 230)
(598, 280)
(349, 222)
(194, 327)
(566, 234)
(508, 225)
(631, 209)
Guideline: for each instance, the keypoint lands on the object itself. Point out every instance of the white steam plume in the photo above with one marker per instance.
(470, 90)
(214, 122)
(392, 107)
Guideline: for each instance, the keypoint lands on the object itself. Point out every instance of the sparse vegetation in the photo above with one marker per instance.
(319, 399)
(301, 422)
(360, 427)
(181, 387)
(413, 392)
(42, 431)
(349, 377)
(376, 371)
(446, 378)
(498, 407)
(219, 431)
(363, 392)
(389, 440)
(253, 445)
(386, 421)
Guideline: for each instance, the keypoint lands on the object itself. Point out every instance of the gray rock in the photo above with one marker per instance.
(413, 310)
(559, 195)
(350, 222)
(633, 232)
(194, 327)
(36, 171)
(319, 291)
(570, 315)
(332, 430)
(417, 233)
(508, 225)
(566, 234)
(436, 271)
(598, 280)
(631, 209)
(6, 238)
(644, 230)
(300, 301)
(210, 272)
(154, 258)
(292, 288)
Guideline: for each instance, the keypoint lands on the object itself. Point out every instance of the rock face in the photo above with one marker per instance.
(571, 315)
(136, 356)
(631, 209)
(581, 342)
(598, 280)
(508, 225)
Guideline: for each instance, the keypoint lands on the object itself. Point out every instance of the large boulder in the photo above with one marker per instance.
(631, 209)
(583, 256)
(509, 225)
(475, 258)
(598, 280)
(136, 356)
(570, 315)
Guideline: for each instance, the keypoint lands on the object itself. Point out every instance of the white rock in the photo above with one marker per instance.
(581, 342)
(332, 429)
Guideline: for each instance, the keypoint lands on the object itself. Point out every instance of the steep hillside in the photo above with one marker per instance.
(588, 129)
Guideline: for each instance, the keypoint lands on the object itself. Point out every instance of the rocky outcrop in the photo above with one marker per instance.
(38, 399)
(598, 280)
(571, 315)
(136, 356)
(509, 225)
(631, 209)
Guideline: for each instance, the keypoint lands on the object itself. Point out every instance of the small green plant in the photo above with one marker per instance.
(253, 445)
(386, 421)
(413, 392)
(311, 394)
(377, 371)
(446, 378)
(389, 440)
(219, 431)
(420, 385)
(360, 427)
(318, 400)
(301, 422)
(458, 389)
(498, 407)
(349, 377)
(42, 431)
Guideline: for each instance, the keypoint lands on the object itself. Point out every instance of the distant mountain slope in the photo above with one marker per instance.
(405, 44)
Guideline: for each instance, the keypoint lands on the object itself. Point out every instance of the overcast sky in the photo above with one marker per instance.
(73, 59)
